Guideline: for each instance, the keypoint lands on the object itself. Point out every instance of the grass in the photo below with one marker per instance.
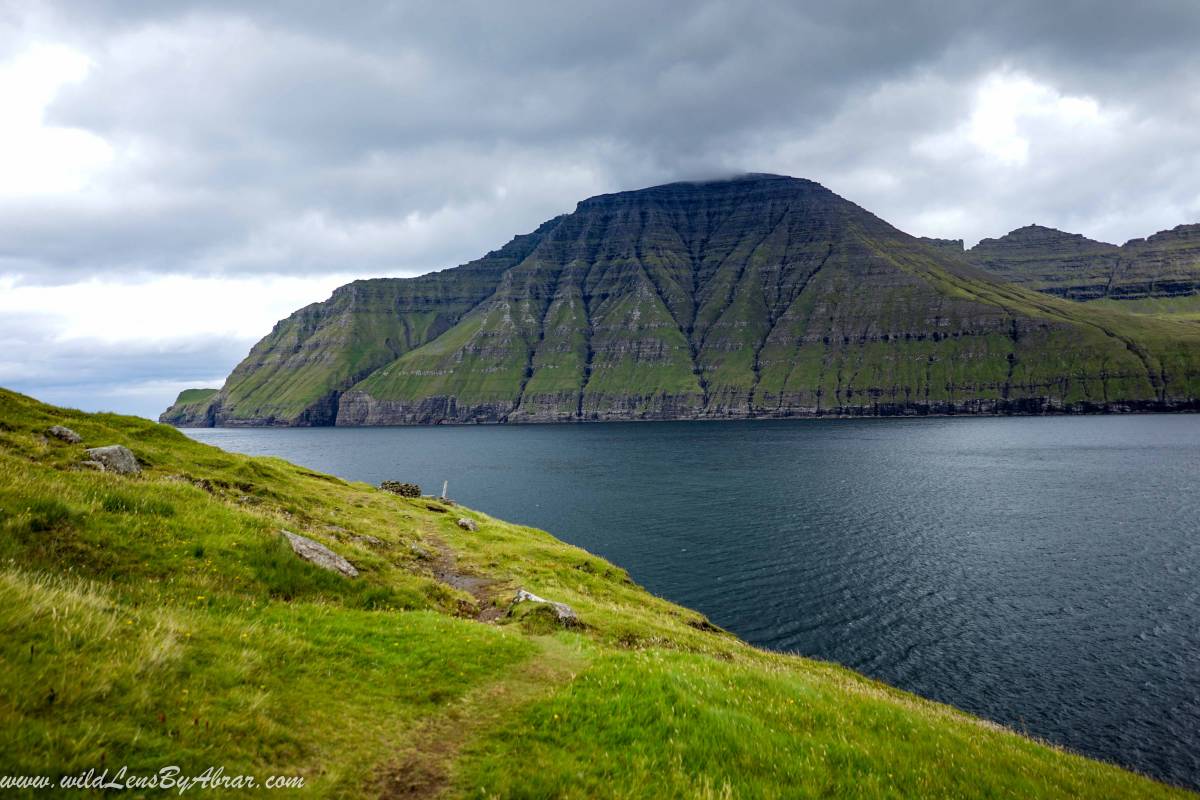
(189, 397)
(757, 727)
(1186, 307)
(95, 680)
(161, 619)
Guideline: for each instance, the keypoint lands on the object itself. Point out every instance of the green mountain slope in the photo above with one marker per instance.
(162, 619)
(757, 296)
(295, 375)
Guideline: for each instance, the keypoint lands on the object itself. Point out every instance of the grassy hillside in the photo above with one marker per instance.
(162, 619)
(1178, 308)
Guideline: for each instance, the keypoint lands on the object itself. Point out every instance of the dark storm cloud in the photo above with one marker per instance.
(235, 127)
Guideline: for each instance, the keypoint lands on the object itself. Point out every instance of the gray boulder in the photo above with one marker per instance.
(468, 524)
(115, 458)
(563, 612)
(66, 434)
(319, 554)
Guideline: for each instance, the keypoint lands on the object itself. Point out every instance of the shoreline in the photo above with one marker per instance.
(1189, 408)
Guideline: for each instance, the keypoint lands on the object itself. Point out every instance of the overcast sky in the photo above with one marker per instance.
(174, 177)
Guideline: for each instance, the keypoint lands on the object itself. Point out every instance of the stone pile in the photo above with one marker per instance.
(402, 489)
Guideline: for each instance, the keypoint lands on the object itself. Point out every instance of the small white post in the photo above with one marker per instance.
(445, 486)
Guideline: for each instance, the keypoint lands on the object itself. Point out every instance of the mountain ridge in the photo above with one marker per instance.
(761, 295)
(1164, 264)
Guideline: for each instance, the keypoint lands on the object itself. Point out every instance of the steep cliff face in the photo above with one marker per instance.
(1049, 260)
(297, 373)
(193, 408)
(759, 296)
(952, 246)
(1166, 264)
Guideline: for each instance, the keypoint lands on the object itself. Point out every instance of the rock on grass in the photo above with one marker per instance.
(115, 458)
(319, 554)
(66, 434)
(562, 612)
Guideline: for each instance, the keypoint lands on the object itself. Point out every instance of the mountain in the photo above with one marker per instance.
(167, 618)
(1164, 265)
(757, 296)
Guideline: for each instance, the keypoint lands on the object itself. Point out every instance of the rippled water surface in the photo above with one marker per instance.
(1042, 572)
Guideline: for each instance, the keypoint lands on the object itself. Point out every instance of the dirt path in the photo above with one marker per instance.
(483, 588)
(424, 767)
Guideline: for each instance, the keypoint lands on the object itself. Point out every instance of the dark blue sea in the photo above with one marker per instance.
(1042, 572)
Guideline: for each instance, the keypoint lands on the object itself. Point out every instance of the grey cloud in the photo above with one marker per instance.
(98, 376)
(249, 118)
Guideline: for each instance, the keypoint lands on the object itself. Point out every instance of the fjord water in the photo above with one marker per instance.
(1042, 572)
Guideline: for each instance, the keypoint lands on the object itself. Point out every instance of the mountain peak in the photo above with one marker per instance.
(1180, 234)
(1038, 234)
(734, 186)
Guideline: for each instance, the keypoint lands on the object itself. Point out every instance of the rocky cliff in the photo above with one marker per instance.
(954, 246)
(1166, 264)
(758, 296)
(193, 408)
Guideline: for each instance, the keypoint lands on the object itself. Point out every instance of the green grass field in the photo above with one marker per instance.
(162, 620)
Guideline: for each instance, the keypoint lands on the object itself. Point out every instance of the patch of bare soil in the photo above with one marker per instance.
(424, 767)
(483, 588)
